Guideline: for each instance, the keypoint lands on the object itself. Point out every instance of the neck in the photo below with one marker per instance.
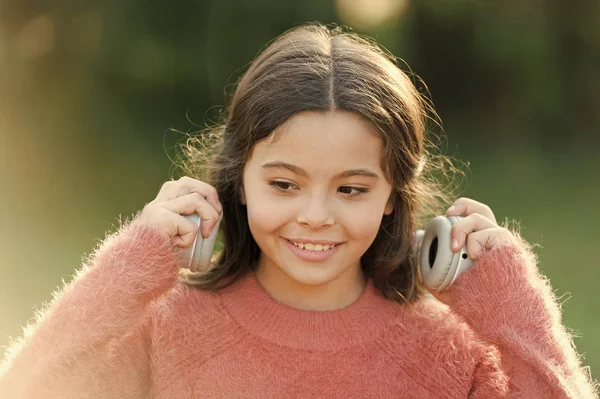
(338, 293)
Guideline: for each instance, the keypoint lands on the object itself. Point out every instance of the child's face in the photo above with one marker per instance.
(315, 201)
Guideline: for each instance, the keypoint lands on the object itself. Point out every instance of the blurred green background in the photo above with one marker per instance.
(89, 90)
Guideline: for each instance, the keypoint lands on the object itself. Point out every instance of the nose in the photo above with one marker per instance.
(315, 213)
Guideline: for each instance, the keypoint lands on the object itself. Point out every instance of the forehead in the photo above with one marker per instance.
(323, 141)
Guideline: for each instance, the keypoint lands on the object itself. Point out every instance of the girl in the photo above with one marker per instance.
(322, 174)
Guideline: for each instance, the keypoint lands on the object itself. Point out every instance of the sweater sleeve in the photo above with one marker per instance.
(509, 304)
(92, 340)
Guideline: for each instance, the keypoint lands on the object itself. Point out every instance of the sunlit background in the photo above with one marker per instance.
(89, 91)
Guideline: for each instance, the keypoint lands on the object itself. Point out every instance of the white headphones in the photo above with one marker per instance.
(199, 255)
(439, 265)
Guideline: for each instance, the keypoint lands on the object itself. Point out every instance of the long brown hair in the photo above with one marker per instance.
(319, 68)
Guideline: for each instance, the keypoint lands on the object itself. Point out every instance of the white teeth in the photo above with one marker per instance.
(313, 247)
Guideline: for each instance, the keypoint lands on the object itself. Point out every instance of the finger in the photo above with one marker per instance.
(181, 230)
(204, 189)
(185, 185)
(466, 206)
(167, 191)
(195, 203)
(463, 227)
(484, 240)
(186, 232)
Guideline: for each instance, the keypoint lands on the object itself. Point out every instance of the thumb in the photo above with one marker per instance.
(185, 234)
(178, 241)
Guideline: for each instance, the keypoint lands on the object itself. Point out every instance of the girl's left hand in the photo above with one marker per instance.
(478, 228)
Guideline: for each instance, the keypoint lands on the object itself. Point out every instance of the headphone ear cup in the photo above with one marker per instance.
(198, 256)
(439, 265)
(434, 261)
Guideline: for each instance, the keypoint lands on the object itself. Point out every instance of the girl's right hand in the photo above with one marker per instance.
(176, 199)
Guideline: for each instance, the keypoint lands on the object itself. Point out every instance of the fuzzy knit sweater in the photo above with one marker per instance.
(126, 327)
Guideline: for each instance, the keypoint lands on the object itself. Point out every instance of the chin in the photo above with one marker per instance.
(311, 275)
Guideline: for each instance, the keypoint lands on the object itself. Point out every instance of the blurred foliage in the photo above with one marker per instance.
(89, 90)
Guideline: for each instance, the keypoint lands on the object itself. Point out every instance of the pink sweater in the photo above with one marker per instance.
(126, 328)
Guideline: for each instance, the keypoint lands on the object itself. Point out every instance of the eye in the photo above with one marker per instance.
(353, 191)
(282, 186)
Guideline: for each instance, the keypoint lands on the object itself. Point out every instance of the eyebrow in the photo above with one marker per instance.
(299, 171)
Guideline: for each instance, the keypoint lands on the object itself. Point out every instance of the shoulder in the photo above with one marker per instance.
(189, 326)
(188, 308)
(428, 315)
(431, 331)
(444, 340)
(429, 343)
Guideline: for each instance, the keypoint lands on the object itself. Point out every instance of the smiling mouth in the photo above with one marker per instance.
(311, 247)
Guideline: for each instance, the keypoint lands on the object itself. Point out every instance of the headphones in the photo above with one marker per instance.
(438, 264)
(199, 255)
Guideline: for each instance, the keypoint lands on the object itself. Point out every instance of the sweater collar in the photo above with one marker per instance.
(360, 322)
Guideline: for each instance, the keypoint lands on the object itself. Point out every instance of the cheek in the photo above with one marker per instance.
(264, 215)
(363, 225)
(261, 218)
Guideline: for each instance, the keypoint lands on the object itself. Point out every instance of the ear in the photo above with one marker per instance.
(389, 207)
(242, 195)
